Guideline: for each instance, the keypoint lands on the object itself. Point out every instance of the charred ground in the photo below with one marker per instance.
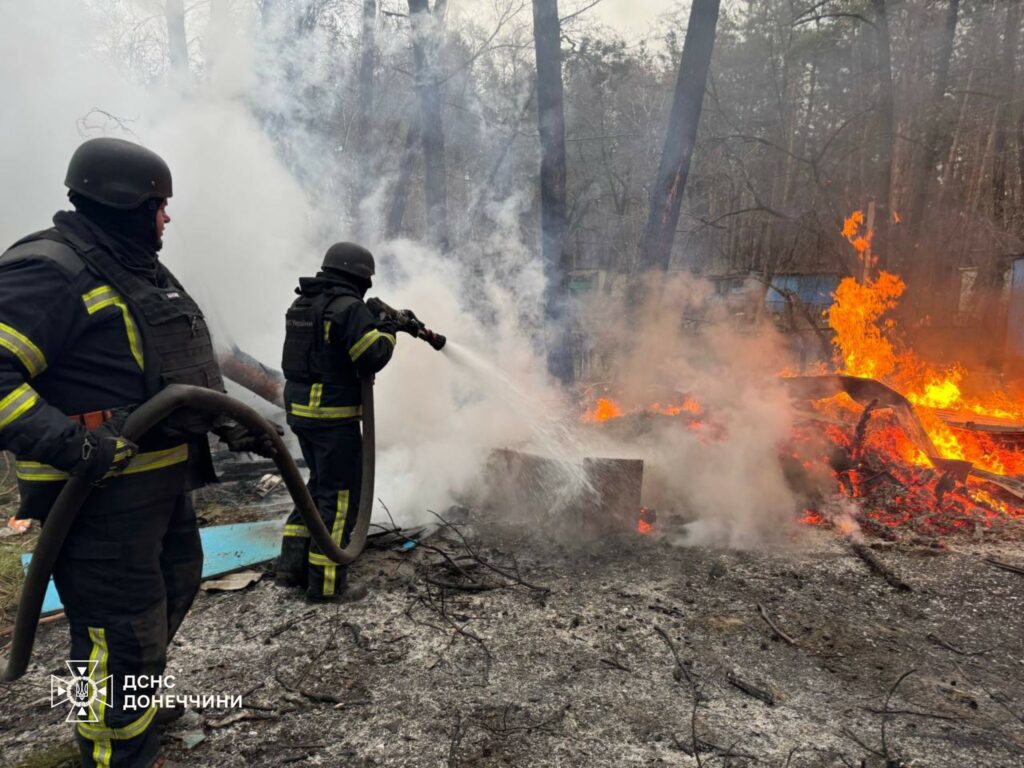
(630, 651)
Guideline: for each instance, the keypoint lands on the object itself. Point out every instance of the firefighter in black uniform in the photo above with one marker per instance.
(91, 325)
(332, 339)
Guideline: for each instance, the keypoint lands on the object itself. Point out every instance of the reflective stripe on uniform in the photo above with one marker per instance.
(325, 412)
(135, 728)
(367, 341)
(316, 411)
(317, 559)
(17, 403)
(34, 471)
(28, 353)
(105, 296)
(340, 516)
(99, 733)
(296, 530)
(102, 748)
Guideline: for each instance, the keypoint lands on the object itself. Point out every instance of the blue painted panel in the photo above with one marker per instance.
(813, 290)
(225, 548)
(1015, 319)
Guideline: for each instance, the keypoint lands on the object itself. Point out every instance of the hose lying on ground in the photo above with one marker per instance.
(143, 419)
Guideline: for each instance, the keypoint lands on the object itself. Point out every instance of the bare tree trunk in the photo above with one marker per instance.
(670, 184)
(886, 133)
(922, 180)
(364, 132)
(426, 51)
(1001, 156)
(551, 120)
(177, 42)
(400, 196)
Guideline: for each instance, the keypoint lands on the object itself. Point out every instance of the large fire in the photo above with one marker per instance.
(892, 477)
(895, 480)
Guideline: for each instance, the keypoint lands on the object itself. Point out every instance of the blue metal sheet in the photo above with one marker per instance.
(813, 290)
(225, 548)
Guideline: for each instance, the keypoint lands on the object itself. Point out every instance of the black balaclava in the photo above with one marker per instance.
(136, 225)
(361, 284)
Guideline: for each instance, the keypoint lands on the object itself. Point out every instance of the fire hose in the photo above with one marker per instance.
(142, 420)
(147, 416)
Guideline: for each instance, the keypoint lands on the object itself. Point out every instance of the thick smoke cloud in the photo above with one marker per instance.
(252, 213)
(245, 227)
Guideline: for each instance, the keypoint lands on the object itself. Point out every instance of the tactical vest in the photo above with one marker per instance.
(308, 357)
(176, 343)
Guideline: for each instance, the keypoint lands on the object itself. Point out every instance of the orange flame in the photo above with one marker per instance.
(861, 241)
(604, 410)
(868, 345)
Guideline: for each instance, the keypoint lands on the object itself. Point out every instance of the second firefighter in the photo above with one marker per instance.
(332, 340)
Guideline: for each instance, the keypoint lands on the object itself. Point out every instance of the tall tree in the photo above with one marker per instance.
(547, 36)
(886, 135)
(364, 104)
(933, 133)
(670, 183)
(426, 47)
(1001, 156)
(177, 42)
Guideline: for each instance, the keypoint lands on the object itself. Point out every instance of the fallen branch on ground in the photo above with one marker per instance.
(775, 628)
(878, 567)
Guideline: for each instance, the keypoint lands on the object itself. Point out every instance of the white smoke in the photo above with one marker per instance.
(244, 228)
(251, 214)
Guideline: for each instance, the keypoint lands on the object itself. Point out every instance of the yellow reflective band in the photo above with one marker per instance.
(16, 404)
(296, 530)
(325, 412)
(102, 749)
(104, 297)
(98, 732)
(28, 353)
(316, 394)
(34, 471)
(327, 332)
(135, 728)
(330, 571)
(330, 579)
(340, 516)
(153, 460)
(367, 341)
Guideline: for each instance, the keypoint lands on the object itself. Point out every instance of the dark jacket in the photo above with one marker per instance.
(72, 344)
(331, 341)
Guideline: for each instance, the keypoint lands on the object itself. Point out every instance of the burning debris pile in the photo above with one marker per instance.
(889, 444)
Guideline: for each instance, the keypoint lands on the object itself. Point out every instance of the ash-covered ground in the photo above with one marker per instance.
(628, 651)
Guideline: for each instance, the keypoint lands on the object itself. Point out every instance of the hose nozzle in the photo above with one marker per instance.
(407, 321)
(436, 340)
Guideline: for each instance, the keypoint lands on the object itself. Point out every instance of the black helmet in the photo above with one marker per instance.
(350, 259)
(118, 173)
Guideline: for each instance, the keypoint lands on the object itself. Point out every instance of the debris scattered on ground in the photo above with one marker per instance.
(15, 527)
(232, 582)
(489, 648)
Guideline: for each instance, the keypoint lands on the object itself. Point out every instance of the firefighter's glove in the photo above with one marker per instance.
(241, 439)
(378, 308)
(406, 320)
(105, 453)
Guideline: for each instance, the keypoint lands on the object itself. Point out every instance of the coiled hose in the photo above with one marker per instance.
(141, 421)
